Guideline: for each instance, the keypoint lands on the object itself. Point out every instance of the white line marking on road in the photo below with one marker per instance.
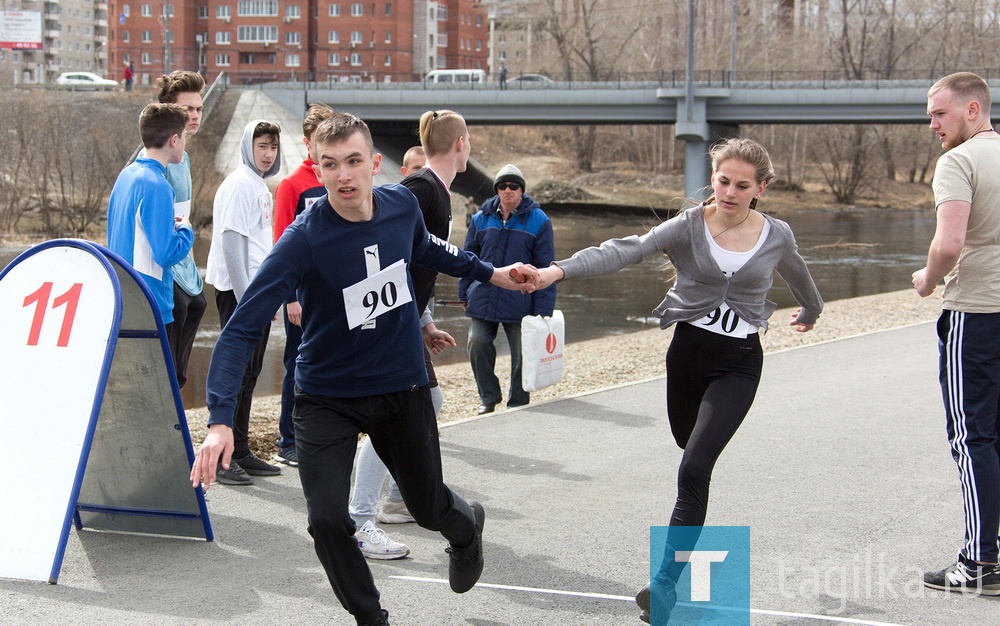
(555, 592)
(604, 596)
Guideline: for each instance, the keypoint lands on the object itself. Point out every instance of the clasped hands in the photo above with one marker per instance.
(526, 278)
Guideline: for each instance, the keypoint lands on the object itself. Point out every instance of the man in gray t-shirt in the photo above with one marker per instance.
(965, 253)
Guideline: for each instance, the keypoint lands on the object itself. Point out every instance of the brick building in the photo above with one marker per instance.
(316, 40)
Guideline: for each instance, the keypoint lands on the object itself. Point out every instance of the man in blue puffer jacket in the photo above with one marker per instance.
(509, 227)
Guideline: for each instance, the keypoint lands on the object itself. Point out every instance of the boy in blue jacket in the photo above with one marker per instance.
(360, 366)
(141, 225)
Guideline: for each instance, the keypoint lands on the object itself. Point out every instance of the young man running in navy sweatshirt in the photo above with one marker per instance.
(361, 365)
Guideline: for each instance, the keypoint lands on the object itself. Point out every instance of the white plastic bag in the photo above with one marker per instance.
(542, 360)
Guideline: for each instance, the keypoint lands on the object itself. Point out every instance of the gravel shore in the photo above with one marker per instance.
(632, 357)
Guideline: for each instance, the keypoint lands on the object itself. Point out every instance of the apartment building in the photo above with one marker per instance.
(311, 40)
(511, 31)
(74, 35)
(365, 41)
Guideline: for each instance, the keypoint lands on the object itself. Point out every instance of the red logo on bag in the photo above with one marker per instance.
(551, 343)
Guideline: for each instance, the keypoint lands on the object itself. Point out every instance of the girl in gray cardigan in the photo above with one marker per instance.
(725, 254)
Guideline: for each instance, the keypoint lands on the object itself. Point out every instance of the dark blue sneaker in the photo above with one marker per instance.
(966, 577)
(287, 456)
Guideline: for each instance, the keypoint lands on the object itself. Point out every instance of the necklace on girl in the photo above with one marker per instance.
(716, 236)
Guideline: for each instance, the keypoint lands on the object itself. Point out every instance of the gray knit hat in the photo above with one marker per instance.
(509, 174)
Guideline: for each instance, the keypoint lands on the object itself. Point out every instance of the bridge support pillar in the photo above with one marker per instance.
(698, 135)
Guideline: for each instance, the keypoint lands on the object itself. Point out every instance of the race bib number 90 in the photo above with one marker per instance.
(725, 321)
(376, 295)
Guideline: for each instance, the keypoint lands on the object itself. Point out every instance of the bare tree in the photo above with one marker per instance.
(590, 37)
(18, 137)
(69, 154)
(843, 155)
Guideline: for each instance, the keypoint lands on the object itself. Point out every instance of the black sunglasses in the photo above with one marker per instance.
(505, 186)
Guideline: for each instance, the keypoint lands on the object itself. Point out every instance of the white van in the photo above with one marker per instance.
(460, 77)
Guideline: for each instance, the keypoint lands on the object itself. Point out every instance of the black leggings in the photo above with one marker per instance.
(711, 383)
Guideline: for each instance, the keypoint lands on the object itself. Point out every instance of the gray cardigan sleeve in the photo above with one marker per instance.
(792, 269)
(612, 255)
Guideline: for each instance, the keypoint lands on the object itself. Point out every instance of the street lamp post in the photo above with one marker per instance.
(201, 45)
(167, 35)
(98, 69)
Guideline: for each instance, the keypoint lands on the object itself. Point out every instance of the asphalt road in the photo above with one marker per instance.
(841, 470)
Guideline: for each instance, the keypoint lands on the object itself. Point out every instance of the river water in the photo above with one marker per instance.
(892, 245)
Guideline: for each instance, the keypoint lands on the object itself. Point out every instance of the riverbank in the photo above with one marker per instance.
(619, 359)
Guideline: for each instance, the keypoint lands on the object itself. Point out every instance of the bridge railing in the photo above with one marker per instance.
(669, 79)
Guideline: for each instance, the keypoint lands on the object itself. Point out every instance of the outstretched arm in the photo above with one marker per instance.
(549, 275)
(278, 276)
(612, 255)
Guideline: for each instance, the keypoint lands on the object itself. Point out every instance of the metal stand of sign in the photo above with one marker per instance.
(90, 405)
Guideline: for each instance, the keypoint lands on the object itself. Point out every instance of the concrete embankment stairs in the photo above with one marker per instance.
(255, 104)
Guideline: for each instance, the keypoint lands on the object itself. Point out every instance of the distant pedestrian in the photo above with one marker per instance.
(503, 75)
(965, 253)
(509, 227)
(129, 75)
(724, 254)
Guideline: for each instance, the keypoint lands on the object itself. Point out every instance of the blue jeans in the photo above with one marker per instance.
(483, 357)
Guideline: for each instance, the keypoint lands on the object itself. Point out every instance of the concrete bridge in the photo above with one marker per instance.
(701, 113)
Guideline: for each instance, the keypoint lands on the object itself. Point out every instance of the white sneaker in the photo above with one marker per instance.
(375, 544)
(390, 512)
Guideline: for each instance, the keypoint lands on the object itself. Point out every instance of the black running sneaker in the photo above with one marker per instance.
(381, 620)
(233, 476)
(466, 564)
(256, 467)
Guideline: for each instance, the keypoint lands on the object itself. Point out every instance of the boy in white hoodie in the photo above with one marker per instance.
(241, 237)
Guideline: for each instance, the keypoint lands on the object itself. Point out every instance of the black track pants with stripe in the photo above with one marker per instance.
(969, 361)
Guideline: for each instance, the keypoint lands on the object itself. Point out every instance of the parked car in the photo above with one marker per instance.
(530, 80)
(80, 81)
